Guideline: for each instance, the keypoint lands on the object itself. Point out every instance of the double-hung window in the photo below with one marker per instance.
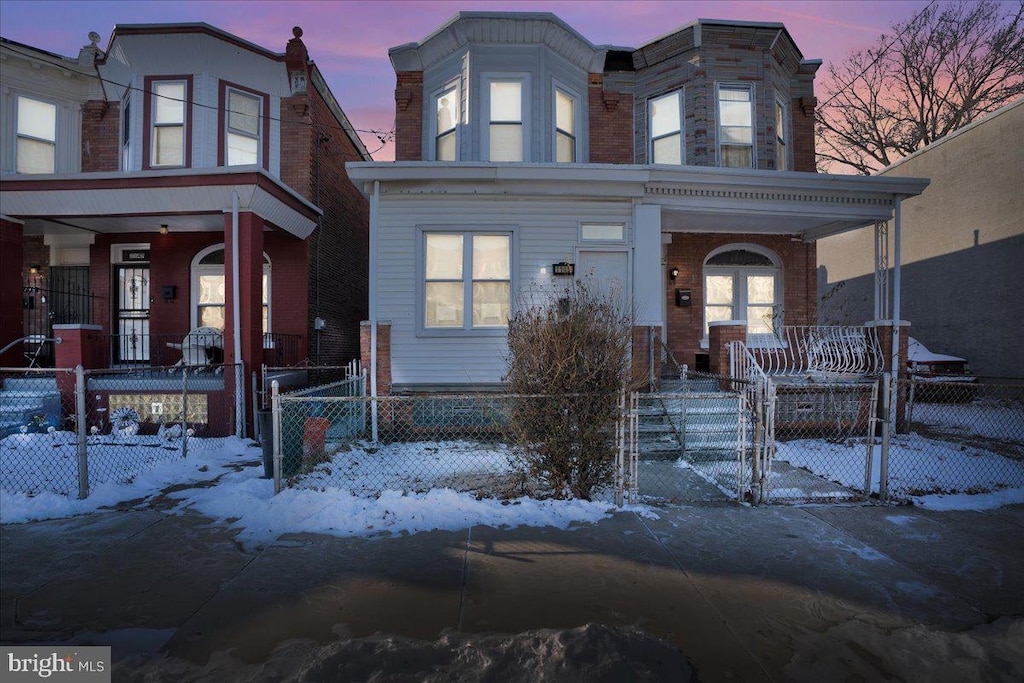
(126, 131)
(781, 160)
(243, 128)
(740, 284)
(37, 136)
(735, 126)
(666, 125)
(565, 127)
(208, 287)
(446, 113)
(505, 129)
(467, 280)
(168, 123)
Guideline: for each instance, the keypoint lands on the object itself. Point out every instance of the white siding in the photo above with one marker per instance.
(546, 232)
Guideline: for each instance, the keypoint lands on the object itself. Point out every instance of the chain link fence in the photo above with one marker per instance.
(477, 444)
(67, 431)
(824, 441)
(959, 437)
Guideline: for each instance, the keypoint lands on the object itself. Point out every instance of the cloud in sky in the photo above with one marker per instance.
(349, 40)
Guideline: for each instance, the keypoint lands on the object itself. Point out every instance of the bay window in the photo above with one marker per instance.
(666, 126)
(505, 129)
(243, 128)
(735, 126)
(36, 147)
(168, 123)
(446, 119)
(467, 283)
(565, 126)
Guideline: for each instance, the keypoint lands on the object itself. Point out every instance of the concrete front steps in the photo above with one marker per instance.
(697, 426)
(22, 399)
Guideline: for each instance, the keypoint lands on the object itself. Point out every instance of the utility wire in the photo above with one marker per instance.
(383, 136)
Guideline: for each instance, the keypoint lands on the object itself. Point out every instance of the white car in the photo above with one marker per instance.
(924, 364)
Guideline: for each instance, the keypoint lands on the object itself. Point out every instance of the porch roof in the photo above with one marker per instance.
(187, 200)
(692, 198)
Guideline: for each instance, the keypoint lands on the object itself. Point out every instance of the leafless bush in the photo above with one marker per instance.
(574, 354)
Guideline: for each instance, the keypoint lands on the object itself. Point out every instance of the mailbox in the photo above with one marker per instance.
(683, 297)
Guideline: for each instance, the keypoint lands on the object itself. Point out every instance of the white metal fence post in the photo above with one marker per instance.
(873, 421)
(887, 426)
(620, 457)
(275, 407)
(184, 411)
(83, 452)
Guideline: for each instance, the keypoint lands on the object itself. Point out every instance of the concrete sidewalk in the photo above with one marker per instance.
(746, 594)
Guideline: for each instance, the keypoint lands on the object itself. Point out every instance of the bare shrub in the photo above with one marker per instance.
(572, 357)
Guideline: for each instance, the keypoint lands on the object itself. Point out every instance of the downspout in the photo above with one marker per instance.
(374, 202)
(236, 314)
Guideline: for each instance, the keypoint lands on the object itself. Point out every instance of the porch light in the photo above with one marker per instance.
(33, 269)
(163, 228)
(673, 274)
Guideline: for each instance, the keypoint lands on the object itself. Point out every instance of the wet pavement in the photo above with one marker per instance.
(744, 594)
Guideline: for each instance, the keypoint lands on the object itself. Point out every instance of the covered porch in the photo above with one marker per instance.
(158, 256)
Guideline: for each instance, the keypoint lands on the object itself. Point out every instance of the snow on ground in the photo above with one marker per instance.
(918, 467)
(136, 471)
(990, 418)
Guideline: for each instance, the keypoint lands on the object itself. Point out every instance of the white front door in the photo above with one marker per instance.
(607, 272)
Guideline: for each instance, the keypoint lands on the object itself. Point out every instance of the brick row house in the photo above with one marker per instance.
(681, 173)
(134, 177)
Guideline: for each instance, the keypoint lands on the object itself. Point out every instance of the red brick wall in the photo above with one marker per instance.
(101, 136)
(383, 355)
(611, 124)
(314, 152)
(688, 251)
(803, 134)
(409, 116)
(11, 252)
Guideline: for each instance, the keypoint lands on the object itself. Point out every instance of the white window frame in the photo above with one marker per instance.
(739, 284)
(18, 135)
(455, 87)
(195, 270)
(467, 329)
(577, 122)
(153, 124)
(749, 87)
(781, 136)
(485, 112)
(228, 130)
(604, 224)
(126, 130)
(681, 131)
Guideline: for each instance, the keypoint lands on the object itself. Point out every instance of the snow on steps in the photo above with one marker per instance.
(698, 426)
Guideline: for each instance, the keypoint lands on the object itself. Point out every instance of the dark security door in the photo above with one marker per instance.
(132, 314)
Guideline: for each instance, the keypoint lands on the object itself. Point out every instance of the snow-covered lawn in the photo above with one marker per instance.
(990, 418)
(918, 466)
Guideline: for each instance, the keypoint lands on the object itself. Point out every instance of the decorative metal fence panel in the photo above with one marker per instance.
(67, 431)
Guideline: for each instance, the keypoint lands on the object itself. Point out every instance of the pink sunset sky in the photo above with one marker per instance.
(349, 40)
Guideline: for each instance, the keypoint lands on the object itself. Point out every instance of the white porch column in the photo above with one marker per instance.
(648, 278)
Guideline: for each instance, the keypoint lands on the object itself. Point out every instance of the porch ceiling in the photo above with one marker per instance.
(191, 200)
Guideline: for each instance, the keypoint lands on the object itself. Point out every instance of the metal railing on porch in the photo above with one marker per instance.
(803, 350)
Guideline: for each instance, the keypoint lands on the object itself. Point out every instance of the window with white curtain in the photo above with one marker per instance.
(446, 121)
(742, 284)
(208, 289)
(467, 280)
(168, 125)
(565, 126)
(735, 126)
(244, 128)
(36, 147)
(665, 115)
(505, 129)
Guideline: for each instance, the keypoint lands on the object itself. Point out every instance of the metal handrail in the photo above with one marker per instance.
(33, 338)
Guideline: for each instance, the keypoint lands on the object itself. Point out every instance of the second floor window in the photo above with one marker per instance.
(505, 133)
(666, 121)
(565, 127)
(735, 127)
(37, 136)
(126, 131)
(447, 118)
(168, 134)
(781, 161)
(243, 128)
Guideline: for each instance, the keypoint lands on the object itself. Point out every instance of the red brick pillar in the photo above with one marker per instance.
(250, 304)
(720, 334)
(643, 375)
(11, 323)
(84, 345)
(383, 355)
